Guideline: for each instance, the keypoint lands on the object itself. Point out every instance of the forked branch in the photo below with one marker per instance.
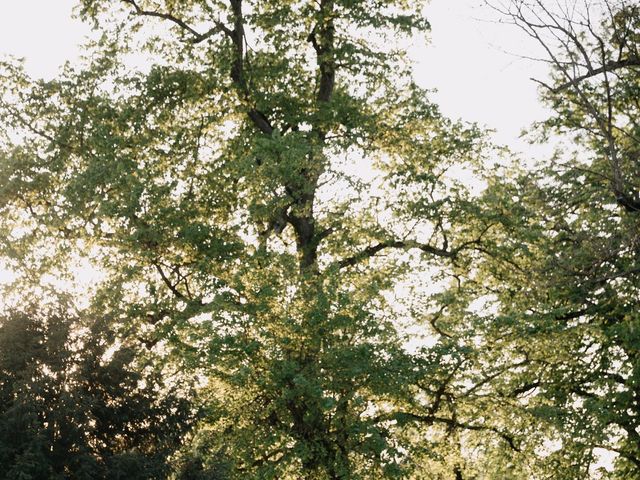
(197, 37)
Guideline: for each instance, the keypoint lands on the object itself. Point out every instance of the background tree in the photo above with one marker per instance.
(73, 406)
(557, 290)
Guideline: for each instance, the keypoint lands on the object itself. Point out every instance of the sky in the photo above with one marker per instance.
(41, 31)
(471, 60)
(476, 65)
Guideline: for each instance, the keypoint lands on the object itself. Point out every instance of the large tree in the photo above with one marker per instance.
(260, 191)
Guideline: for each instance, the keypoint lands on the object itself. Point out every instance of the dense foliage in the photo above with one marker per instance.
(72, 407)
(300, 248)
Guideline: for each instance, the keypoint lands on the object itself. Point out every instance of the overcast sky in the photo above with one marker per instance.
(471, 61)
(477, 67)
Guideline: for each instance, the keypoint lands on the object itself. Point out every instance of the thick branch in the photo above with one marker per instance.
(493, 376)
(404, 245)
(523, 389)
(197, 36)
(237, 37)
(322, 38)
(453, 424)
(608, 67)
(627, 202)
(173, 288)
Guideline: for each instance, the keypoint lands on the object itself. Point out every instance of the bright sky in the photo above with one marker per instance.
(41, 31)
(477, 67)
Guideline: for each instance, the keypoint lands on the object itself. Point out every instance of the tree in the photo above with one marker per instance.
(71, 405)
(278, 208)
(223, 187)
(558, 327)
(593, 51)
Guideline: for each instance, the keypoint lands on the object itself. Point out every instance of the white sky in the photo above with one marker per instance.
(41, 31)
(466, 60)
(476, 66)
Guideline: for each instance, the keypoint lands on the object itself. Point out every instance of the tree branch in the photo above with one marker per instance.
(322, 40)
(608, 67)
(403, 417)
(405, 245)
(197, 36)
(168, 282)
(237, 37)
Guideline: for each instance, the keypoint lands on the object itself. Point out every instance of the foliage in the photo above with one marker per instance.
(560, 282)
(73, 406)
(284, 216)
(242, 241)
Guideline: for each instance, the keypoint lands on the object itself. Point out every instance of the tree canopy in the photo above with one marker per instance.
(310, 271)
